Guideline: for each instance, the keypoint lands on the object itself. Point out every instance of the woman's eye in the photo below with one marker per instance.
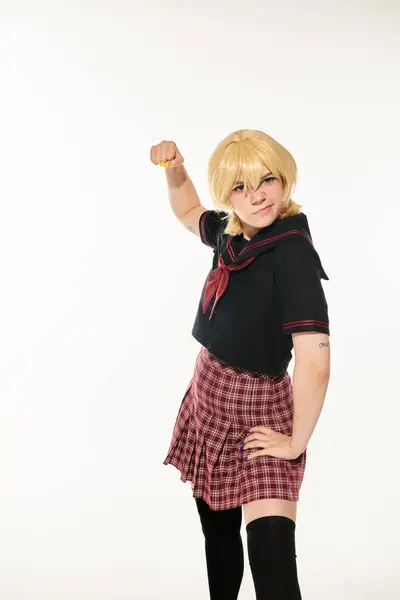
(236, 189)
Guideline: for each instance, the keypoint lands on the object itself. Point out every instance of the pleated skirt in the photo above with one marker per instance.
(218, 409)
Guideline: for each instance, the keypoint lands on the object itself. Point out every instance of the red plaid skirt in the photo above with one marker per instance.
(219, 407)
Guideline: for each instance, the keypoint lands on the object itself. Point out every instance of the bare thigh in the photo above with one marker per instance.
(268, 507)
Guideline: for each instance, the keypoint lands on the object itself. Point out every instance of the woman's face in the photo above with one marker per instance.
(260, 207)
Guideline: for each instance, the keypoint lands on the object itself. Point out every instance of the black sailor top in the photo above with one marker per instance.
(259, 292)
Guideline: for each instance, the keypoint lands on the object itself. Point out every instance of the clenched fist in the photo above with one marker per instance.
(166, 154)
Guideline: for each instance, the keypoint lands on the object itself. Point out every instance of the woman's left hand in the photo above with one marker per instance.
(271, 442)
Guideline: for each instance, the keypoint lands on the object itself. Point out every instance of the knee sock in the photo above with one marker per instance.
(272, 558)
(224, 550)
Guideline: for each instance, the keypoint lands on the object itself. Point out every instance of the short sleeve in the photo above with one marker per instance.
(212, 224)
(301, 299)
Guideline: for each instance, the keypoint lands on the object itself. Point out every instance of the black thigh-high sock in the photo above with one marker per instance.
(224, 550)
(272, 558)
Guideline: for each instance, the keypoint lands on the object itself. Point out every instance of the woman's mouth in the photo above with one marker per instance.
(264, 210)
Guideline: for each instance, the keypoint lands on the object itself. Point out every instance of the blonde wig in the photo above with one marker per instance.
(248, 152)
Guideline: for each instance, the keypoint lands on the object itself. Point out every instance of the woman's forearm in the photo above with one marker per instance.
(182, 193)
(309, 389)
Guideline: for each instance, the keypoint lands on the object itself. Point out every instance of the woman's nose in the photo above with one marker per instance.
(257, 198)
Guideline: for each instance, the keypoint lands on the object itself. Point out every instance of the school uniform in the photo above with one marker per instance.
(257, 293)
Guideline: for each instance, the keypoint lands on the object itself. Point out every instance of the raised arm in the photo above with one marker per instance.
(183, 198)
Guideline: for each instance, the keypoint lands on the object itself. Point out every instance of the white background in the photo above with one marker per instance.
(100, 283)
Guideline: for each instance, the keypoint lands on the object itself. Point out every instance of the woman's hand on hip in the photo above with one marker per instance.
(269, 442)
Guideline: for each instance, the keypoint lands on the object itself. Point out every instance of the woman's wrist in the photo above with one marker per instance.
(295, 446)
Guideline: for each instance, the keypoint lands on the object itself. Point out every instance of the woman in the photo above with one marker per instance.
(242, 429)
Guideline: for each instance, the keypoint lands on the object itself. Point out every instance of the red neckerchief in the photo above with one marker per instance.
(280, 231)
